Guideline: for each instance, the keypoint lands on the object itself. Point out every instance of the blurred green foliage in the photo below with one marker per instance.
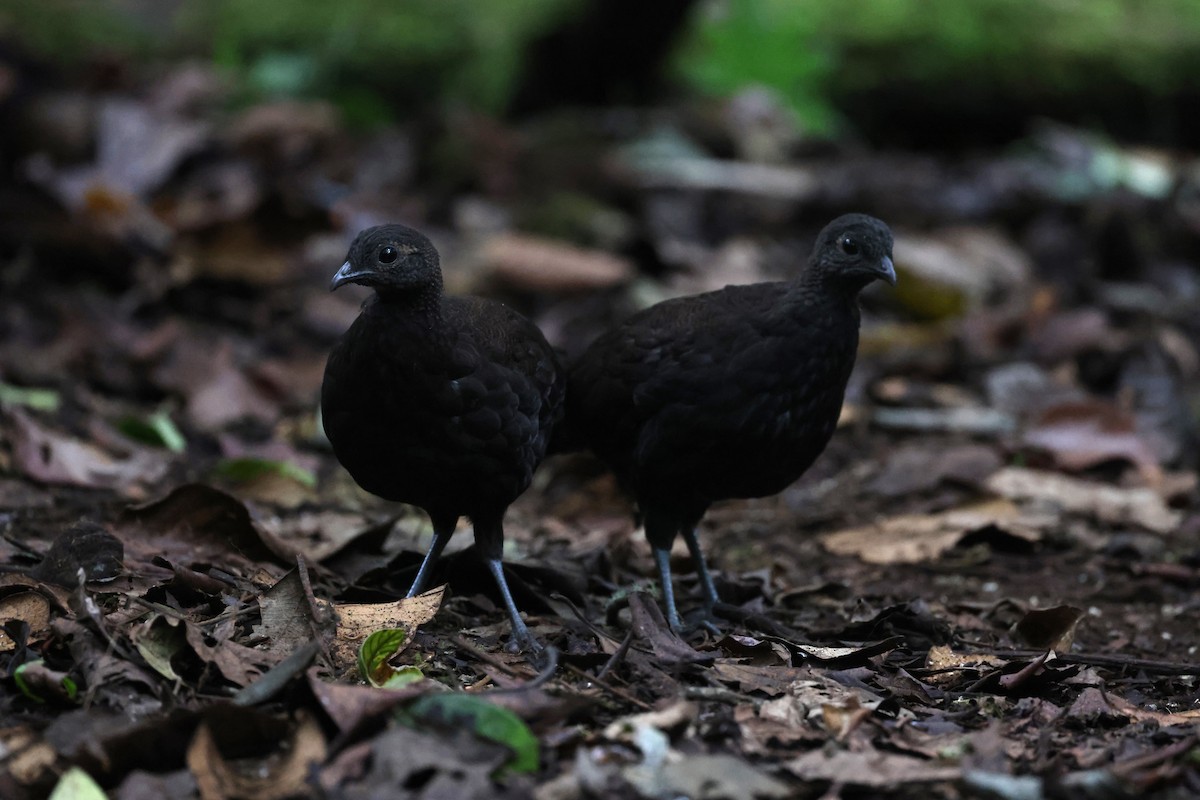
(365, 55)
(371, 57)
(811, 51)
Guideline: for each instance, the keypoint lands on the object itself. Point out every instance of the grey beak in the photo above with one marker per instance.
(887, 270)
(347, 274)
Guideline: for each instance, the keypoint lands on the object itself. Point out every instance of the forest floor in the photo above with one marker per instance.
(987, 585)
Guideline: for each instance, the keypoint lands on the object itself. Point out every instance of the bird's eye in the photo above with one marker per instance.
(387, 255)
(849, 246)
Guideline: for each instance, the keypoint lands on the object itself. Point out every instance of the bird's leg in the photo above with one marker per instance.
(443, 529)
(706, 582)
(489, 537)
(522, 638)
(662, 557)
(660, 532)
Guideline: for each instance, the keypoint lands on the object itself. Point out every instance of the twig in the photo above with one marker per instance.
(462, 644)
(720, 694)
(1118, 662)
(617, 657)
(603, 684)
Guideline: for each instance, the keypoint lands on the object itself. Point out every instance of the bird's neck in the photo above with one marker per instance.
(809, 292)
(420, 307)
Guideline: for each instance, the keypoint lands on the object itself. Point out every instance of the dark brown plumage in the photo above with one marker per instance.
(732, 393)
(446, 403)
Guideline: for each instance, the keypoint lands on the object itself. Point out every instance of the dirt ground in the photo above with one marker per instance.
(986, 587)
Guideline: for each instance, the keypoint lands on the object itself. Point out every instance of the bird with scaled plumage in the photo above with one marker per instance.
(728, 394)
(449, 403)
(446, 403)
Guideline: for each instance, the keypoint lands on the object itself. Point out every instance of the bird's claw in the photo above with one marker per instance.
(702, 619)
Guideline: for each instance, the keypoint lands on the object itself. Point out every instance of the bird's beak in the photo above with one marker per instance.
(887, 270)
(347, 274)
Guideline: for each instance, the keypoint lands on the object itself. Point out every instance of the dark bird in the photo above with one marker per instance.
(732, 393)
(445, 403)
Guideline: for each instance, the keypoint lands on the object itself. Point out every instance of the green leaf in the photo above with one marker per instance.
(487, 721)
(158, 643)
(373, 656)
(35, 672)
(157, 430)
(37, 399)
(75, 784)
(247, 469)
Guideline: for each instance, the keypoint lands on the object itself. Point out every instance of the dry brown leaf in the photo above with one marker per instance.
(950, 665)
(350, 705)
(52, 457)
(29, 758)
(1112, 505)
(872, 768)
(275, 777)
(216, 390)
(356, 621)
(530, 262)
(673, 717)
(29, 607)
(1083, 434)
(1050, 628)
(913, 538)
(1163, 718)
(194, 523)
(289, 620)
(317, 534)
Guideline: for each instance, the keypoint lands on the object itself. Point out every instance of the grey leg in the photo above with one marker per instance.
(662, 557)
(521, 635)
(489, 538)
(442, 531)
(706, 581)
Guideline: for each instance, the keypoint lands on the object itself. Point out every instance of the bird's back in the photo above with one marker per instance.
(731, 393)
(448, 411)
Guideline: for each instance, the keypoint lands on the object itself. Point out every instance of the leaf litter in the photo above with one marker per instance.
(984, 586)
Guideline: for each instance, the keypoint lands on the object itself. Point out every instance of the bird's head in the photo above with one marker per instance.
(391, 258)
(852, 251)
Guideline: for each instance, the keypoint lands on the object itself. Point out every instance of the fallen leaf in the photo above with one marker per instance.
(29, 607)
(872, 768)
(946, 666)
(458, 710)
(545, 265)
(651, 626)
(1112, 505)
(356, 621)
(913, 538)
(216, 390)
(159, 639)
(52, 457)
(1050, 628)
(289, 620)
(75, 784)
(350, 706)
(280, 773)
(195, 524)
(916, 468)
(1084, 434)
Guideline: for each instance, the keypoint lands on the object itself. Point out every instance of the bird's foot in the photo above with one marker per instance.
(541, 656)
(702, 619)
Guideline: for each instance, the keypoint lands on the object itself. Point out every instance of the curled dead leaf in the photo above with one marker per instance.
(356, 621)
